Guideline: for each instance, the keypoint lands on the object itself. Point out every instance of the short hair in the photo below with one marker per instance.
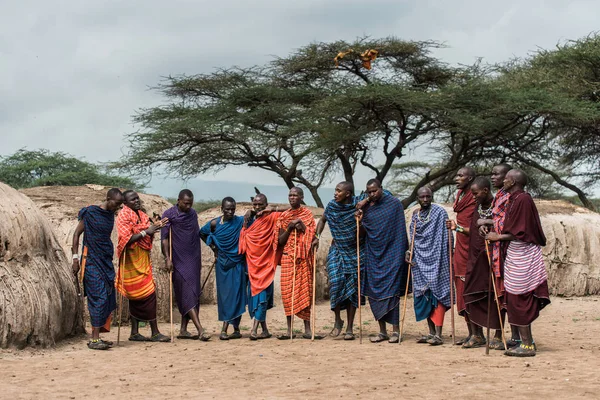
(506, 167)
(470, 171)
(300, 191)
(185, 193)
(261, 195)
(374, 181)
(349, 186)
(127, 192)
(422, 188)
(482, 183)
(520, 177)
(227, 199)
(113, 193)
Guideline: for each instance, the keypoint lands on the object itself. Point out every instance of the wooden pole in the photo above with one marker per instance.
(487, 250)
(121, 274)
(171, 285)
(313, 315)
(293, 283)
(451, 287)
(208, 275)
(360, 335)
(412, 246)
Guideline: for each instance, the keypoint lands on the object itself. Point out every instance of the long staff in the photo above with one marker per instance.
(208, 275)
(122, 275)
(313, 316)
(451, 286)
(487, 250)
(171, 285)
(293, 284)
(358, 272)
(489, 309)
(408, 278)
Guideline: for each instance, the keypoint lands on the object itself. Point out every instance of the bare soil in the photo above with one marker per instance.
(566, 366)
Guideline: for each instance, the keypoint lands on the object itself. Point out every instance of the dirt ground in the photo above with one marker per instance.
(567, 364)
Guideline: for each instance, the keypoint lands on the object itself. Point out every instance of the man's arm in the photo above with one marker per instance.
(149, 231)
(452, 225)
(318, 231)
(75, 246)
(285, 234)
(496, 237)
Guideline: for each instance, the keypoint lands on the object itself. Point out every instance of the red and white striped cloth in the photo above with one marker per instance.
(524, 268)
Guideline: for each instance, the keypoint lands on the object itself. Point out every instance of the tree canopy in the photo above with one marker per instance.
(332, 107)
(29, 168)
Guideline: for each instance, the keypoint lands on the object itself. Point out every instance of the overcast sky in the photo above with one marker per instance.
(73, 72)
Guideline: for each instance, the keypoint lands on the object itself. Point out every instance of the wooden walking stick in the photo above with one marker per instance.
(408, 279)
(122, 275)
(314, 293)
(358, 271)
(487, 342)
(293, 284)
(487, 250)
(171, 285)
(208, 275)
(451, 287)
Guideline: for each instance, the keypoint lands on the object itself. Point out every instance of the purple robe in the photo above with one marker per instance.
(187, 263)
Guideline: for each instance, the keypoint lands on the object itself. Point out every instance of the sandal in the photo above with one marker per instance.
(253, 336)
(285, 337)
(187, 335)
(510, 343)
(235, 335)
(159, 337)
(138, 338)
(309, 337)
(463, 340)
(337, 328)
(108, 342)
(424, 338)
(97, 344)
(435, 341)
(395, 338)
(204, 337)
(474, 342)
(264, 335)
(380, 337)
(223, 336)
(521, 351)
(349, 336)
(496, 344)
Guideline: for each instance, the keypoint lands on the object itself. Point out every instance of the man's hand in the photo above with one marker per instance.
(75, 266)
(314, 246)
(450, 224)
(407, 257)
(155, 227)
(492, 237)
(168, 265)
(292, 225)
(300, 226)
(362, 203)
(247, 218)
(358, 215)
(483, 230)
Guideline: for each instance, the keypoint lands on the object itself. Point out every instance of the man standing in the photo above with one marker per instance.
(498, 249)
(525, 276)
(385, 272)
(181, 235)
(295, 231)
(97, 270)
(464, 207)
(431, 269)
(256, 242)
(222, 234)
(342, 259)
(135, 280)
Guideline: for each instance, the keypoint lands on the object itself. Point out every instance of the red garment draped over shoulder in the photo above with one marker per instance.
(130, 223)
(464, 208)
(256, 242)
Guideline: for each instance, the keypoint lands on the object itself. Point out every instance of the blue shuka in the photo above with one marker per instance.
(431, 262)
(99, 272)
(385, 270)
(341, 260)
(230, 269)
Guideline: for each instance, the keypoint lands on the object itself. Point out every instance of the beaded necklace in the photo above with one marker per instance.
(485, 214)
(426, 220)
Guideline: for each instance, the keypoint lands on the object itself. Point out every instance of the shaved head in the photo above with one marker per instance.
(424, 190)
(349, 186)
(298, 190)
(468, 171)
(518, 176)
(504, 168)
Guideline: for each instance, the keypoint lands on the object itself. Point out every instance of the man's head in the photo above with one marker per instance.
(296, 197)
(425, 197)
(481, 188)
(228, 208)
(374, 189)
(464, 177)
(498, 174)
(343, 192)
(259, 202)
(515, 179)
(114, 199)
(132, 200)
(185, 200)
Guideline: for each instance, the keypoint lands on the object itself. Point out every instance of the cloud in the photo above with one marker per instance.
(73, 73)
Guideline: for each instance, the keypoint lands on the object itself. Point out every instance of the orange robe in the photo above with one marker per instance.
(298, 247)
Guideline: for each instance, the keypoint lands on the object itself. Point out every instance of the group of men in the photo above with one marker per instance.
(496, 261)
